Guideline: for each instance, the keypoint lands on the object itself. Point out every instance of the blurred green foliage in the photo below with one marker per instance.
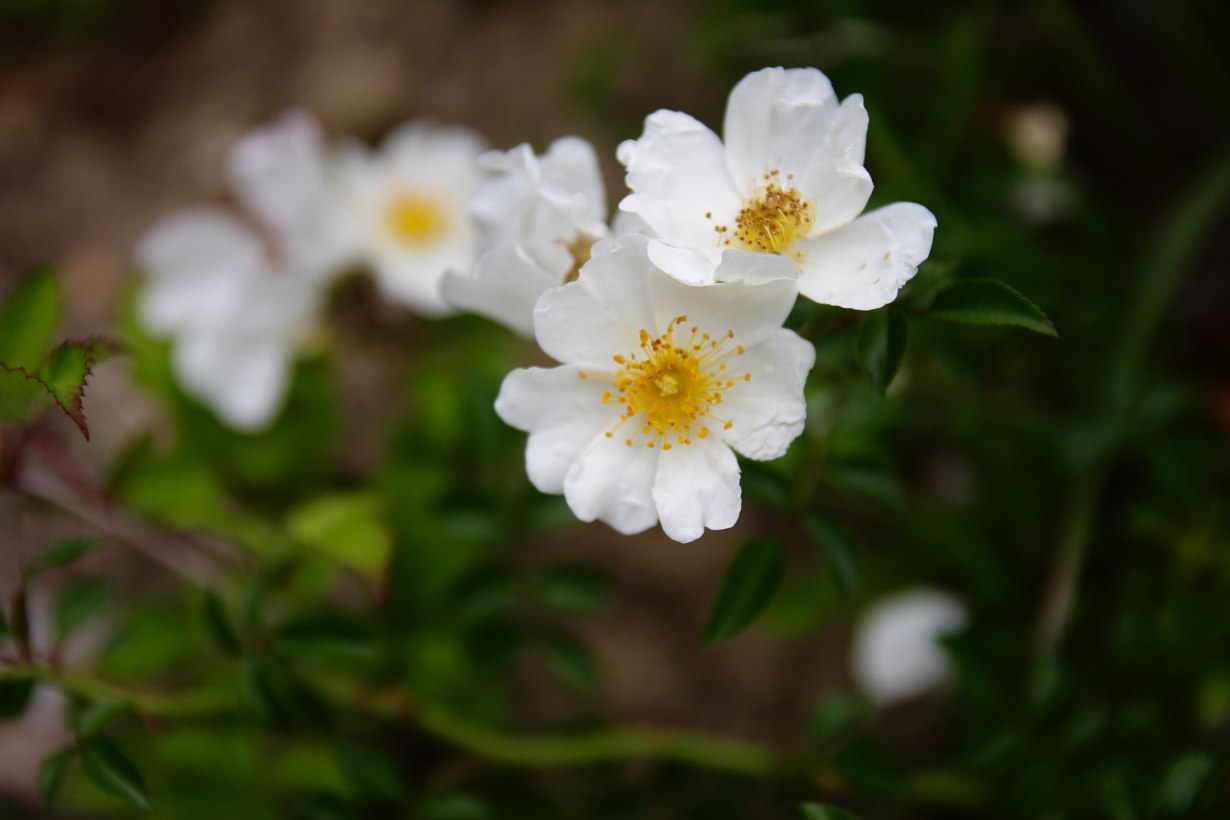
(362, 661)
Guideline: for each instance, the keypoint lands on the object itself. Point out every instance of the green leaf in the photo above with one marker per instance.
(77, 604)
(989, 302)
(751, 581)
(881, 346)
(98, 716)
(838, 550)
(571, 662)
(61, 554)
(371, 772)
(326, 636)
(218, 625)
(65, 372)
(574, 590)
(51, 774)
(22, 396)
(15, 697)
(28, 321)
(106, 765)
(821, 811)
(349, 528)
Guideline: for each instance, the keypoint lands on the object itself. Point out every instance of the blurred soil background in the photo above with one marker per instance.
(113, 112)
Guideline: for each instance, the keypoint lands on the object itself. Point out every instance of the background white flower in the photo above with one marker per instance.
(234, 301)
(896, 653)
(789, 180)
(659, 381)
(541, 216)
(406, 206)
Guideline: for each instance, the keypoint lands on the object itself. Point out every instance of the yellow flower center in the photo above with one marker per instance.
(676, 386)
(772, 219)
(580, 249)
(416, 218)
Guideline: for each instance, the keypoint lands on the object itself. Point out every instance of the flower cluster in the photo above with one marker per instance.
(667, 321)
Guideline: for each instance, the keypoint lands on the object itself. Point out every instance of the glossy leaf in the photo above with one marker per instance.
(989, 302)
(112, 772)
(28, 320)
(51, 774)
(61, 554)
(751, 581)
(881, 346)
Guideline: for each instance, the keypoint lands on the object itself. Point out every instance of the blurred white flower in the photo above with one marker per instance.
(897, 653)
(659, 381)
(236, 298)
(406, 210)
(541, 216)
(789, 180)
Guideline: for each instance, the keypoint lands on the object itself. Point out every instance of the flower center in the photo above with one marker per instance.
(676, 386)
(580, 249)
(416, 218)
(772, 219)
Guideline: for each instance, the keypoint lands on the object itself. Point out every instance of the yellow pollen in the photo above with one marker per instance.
(580, 250)
(416, 218)
(669, 386)
(772, 219)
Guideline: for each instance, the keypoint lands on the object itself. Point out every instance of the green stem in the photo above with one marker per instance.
(622, 743)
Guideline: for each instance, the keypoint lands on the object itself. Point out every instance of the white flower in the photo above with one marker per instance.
(659, 381)
(236, 302)
(541, 215)
(407, 210)
(896, 649)
(789, 180)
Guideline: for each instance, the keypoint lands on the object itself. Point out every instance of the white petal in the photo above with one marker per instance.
(571, 165)
(244, 383)
(774, 120)
(507, 281)
(601, 314)
(413, 279)
(198, 260)
(627, 222)
(834, 176)
(562, 412)
(754, 267)
(677, 173)
(697, 486)
(862, 265)
(684, 264)
(752, 312)
(897, 653)
(424, 151)
(612, 482)
(767, 413)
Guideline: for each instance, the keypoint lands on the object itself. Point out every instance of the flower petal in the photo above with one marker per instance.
(244, 381)
(601, 314)
(571, 165)
(774, 120)
(697, 486)
(768, 412)
(751, 312)
(754, 267)
(507, 281)
(562, 412)
(684, 264)
(198, 261)
(613, 482)
(862, 265)
(834, 176)
(677, 173)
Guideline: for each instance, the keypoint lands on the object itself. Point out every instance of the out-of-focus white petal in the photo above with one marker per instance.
(562, 412)
(198, 261)
(697, 486)
(588, 321)
(834, 177)
(774, 119)
(896, 649)
(277, 170)
(863, 264)
(244, 381)
(768, 412)
(507, 281)
(614, 483)
(677, 172)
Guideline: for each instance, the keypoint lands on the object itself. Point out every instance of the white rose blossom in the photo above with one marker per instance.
(235, 297)
(788, 180)
(660, 383)
(897, 653)
(540, 216)
(406, 206)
